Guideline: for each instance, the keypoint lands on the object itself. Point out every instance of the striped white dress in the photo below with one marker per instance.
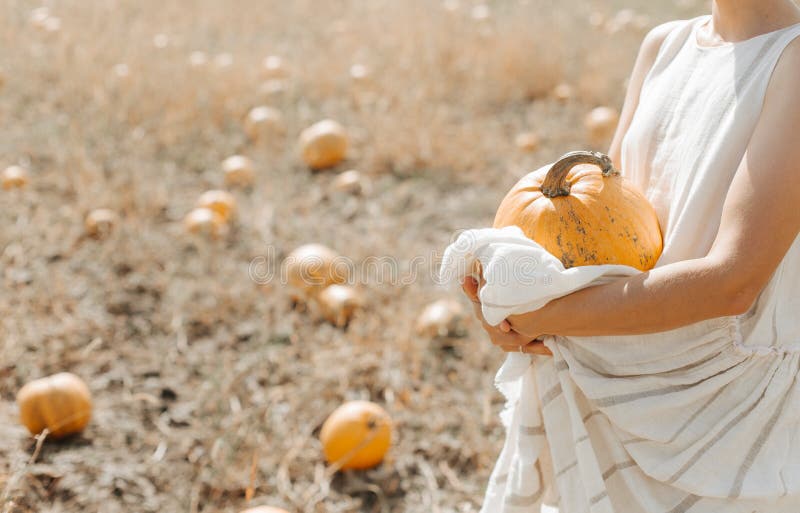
(701, 419)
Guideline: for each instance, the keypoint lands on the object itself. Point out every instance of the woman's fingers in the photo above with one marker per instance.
(476, 308)
(502, 339)
(470, 286)
(534, 347)
(502, 335)
(537, 347)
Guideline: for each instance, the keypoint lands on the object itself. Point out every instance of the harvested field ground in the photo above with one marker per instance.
(210, 384)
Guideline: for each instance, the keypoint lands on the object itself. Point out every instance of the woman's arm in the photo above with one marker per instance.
(760, 220)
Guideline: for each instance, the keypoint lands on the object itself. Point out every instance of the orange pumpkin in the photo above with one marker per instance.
(262, 122)
(264, 509)
(61, 403)
(441, 318)
(100, 222)
(338, 303)
(528, 141)
(312, 267)
(600, 124)
(205, 222)
(356, 435)
(14, 177)
(584, 212)
(239, 171)
(323, 144)
(350, 182)
(221, 202)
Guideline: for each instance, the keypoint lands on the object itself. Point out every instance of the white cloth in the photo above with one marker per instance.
(701, 419)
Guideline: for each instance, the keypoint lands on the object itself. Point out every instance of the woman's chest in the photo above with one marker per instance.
(687, 137)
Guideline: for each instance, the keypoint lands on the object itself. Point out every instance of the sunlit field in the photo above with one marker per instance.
(210, 375)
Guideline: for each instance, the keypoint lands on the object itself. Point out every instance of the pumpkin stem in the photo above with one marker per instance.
(555, 182)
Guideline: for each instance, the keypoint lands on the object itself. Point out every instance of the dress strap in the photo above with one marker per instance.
(675, 40)
(761, 61)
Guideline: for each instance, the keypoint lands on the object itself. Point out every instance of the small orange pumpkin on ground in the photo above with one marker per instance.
(323, 144)
(338, 303)
(359, 72)
(239, 171)
(441, 318)
(356, 435)
(563, 92)
(60, 403)
(273, 67)
(272, 88)
(312, 267)
(221, 202)
(528, 141)
(262, 122)
(206, 222)
(198, 59)
(350, 182)
(600, 123)
(584, 214)
(14, 177)
(100, 222)
(264, 509)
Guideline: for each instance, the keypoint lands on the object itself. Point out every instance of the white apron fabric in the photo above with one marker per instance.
(701, 419)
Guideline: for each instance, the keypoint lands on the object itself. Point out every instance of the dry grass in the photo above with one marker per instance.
(207, 385)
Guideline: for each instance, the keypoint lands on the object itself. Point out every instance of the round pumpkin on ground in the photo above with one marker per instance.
(206, 222)
(601, 123)
(272, 88)
(481, 12)
(323, 144)
(221, 202)
(264, 509)
(359, 72)
(38, 16)
(239, 171)
(563, 92)
(14, 177)
(441, 318)
(312, 267)
(273, 67)
(100, 222)
(528, 141)
(356, 435)
(350, 182)
(60, 403)
(198, 59)
(262, 122)
(584, 212)
(338, 303)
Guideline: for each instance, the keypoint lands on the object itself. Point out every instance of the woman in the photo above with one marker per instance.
(709, 131)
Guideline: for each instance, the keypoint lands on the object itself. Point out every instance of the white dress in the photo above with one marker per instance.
(700, 419)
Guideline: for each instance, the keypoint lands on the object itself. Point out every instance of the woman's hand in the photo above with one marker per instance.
(503, 335)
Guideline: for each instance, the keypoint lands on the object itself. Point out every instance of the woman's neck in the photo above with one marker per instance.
(738, 20)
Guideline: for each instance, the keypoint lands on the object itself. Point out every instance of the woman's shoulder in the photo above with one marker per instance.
(653, 43)
(656, 37)
(784, 78)
(789, 54)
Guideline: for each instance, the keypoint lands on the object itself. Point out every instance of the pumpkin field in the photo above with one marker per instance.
(167, 172)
